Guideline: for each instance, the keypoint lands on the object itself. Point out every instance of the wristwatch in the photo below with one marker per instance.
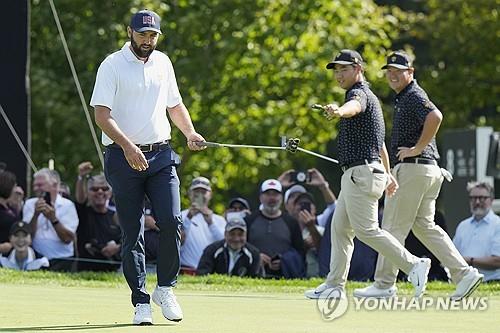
(56, 221)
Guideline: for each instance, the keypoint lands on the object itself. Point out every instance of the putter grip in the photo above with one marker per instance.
(207, 144)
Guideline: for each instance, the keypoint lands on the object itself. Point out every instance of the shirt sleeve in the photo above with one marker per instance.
(217, 228)
(28, 211)
(357, 95)
(423, 106)
(495, 246)
(173, 95)
(68, 217)
(457, 239)
(105, 86)
(322, 218)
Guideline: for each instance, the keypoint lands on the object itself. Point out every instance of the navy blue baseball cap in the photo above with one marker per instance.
(145, 20)
(398, 59)
(346, 57)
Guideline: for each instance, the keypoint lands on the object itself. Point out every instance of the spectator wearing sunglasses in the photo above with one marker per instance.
(99, 233)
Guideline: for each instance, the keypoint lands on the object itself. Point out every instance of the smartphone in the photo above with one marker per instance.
(305, 205)
(199, 200)
(46, 197)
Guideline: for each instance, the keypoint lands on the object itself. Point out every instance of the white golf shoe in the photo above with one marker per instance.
(325, 291)
(467, 285)
(375, 292)
(418, 275)
(142, 314)
(164, 297)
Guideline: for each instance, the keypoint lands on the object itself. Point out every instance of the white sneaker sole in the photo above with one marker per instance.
(373, 296)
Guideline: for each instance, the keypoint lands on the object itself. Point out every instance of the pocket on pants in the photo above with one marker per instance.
(371, 180)
(378, 182)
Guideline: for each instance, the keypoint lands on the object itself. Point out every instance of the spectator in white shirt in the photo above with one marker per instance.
(53, 220)
(477, 238)
(201, 227)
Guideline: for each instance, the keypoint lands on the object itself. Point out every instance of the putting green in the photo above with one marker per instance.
(50, 308)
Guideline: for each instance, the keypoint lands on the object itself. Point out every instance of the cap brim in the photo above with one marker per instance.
(236, 227)
(200, 186)
(271, 189)
(148, 29)
(338, 62)
(396, 66)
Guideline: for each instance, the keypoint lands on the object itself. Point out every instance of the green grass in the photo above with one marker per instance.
(90, 302)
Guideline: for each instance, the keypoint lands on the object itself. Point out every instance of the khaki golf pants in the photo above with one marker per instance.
(413, 208)
(356, 214)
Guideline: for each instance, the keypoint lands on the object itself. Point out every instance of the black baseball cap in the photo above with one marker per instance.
(398, 59)
(346, 57)
(145, 20)
(20, 226)
(301, 196)
(240, 200)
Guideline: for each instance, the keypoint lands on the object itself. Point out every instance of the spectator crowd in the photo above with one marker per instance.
(286, 236)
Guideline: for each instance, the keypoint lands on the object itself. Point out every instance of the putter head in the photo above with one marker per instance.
(318, 107)
(292, 144)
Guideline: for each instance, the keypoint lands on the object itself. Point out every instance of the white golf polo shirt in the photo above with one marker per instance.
(138, 94)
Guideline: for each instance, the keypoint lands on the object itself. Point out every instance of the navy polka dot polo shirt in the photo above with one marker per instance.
(411, 107)
(362, 136)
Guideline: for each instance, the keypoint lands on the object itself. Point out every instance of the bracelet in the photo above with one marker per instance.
(54, 222)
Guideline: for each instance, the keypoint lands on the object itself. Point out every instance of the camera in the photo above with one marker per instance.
(300, 177)
(46, 197)
(305, 205)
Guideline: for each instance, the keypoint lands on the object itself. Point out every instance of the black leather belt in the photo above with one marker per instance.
(419, 160)
(360, 162)
(148, 147)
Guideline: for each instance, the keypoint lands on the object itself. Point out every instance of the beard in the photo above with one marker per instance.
(139, 51)
(271, 209)
(480, 212)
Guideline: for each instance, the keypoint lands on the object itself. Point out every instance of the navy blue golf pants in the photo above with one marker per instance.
(161, 184)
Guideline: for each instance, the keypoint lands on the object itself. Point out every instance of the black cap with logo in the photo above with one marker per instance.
(346, 57)
(398, 59)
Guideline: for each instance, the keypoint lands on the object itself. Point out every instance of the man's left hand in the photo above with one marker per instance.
(192, 140)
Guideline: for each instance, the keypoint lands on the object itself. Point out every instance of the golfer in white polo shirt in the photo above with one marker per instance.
(134, 90)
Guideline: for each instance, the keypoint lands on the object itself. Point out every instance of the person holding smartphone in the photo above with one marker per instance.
(201, 226)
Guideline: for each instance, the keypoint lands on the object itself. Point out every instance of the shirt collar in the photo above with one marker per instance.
(407, 88)
(488, 218)
(131, 57)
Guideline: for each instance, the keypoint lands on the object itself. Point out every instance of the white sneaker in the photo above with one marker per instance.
(164, 297)
(374, 292)
(467, 285)
(325, 291)
(418, 275)
(142, 314)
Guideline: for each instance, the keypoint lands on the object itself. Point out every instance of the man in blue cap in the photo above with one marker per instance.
(134, 90)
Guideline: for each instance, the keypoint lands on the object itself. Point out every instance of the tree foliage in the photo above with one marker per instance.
(248, 72)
